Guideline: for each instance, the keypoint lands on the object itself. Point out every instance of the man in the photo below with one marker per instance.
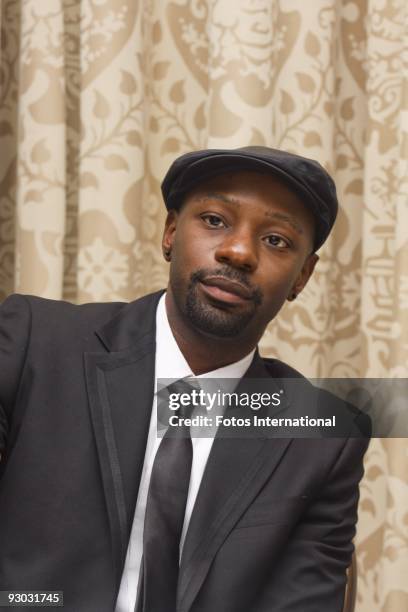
(92, 502)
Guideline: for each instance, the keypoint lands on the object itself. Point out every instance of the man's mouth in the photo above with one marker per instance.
(225, 290)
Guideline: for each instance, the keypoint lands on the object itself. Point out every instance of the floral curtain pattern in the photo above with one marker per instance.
(99, 96)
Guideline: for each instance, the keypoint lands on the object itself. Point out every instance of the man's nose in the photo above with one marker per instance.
(238, 250)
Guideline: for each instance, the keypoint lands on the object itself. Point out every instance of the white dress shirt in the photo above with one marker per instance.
(169, 363)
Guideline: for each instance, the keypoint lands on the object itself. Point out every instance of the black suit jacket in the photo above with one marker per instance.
(274, 518)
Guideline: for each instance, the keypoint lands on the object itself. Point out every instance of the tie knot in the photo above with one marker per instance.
(186, 395)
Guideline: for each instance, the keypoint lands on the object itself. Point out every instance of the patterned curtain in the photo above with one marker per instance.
(99, 96)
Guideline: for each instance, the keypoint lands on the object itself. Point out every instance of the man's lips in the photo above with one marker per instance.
(225, 290)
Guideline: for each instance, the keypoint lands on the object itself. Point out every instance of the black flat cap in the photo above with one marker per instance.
(306, 177)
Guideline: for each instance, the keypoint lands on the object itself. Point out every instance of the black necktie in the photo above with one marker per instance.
(165, 509)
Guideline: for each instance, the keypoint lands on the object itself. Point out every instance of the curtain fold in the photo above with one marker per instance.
(99, 96)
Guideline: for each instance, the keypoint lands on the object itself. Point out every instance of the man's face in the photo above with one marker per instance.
(241, 244)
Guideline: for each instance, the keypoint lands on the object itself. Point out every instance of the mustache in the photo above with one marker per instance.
(228, 273)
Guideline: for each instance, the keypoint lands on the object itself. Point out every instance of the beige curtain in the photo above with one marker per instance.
(99, 96)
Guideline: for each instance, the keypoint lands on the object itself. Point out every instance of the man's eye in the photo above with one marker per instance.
(213, 220)
(277, 241)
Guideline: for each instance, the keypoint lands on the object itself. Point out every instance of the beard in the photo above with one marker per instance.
(221, 321)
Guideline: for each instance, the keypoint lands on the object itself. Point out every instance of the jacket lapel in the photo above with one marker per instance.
(120, 386)
(235, 473)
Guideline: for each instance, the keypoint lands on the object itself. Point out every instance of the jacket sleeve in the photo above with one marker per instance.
(15, 325)
(311, 576)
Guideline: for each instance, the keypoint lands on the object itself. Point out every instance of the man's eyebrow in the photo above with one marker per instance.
(286, 219)
(213, 195)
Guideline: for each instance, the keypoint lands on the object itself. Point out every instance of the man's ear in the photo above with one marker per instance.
(169, 233)
(305, 274)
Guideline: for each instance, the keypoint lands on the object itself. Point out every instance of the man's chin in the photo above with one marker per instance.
(216, 318)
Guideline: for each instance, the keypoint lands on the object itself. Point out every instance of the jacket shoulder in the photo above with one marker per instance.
(64, 308)
(58, 315)
(353, 422)
(31, 322)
